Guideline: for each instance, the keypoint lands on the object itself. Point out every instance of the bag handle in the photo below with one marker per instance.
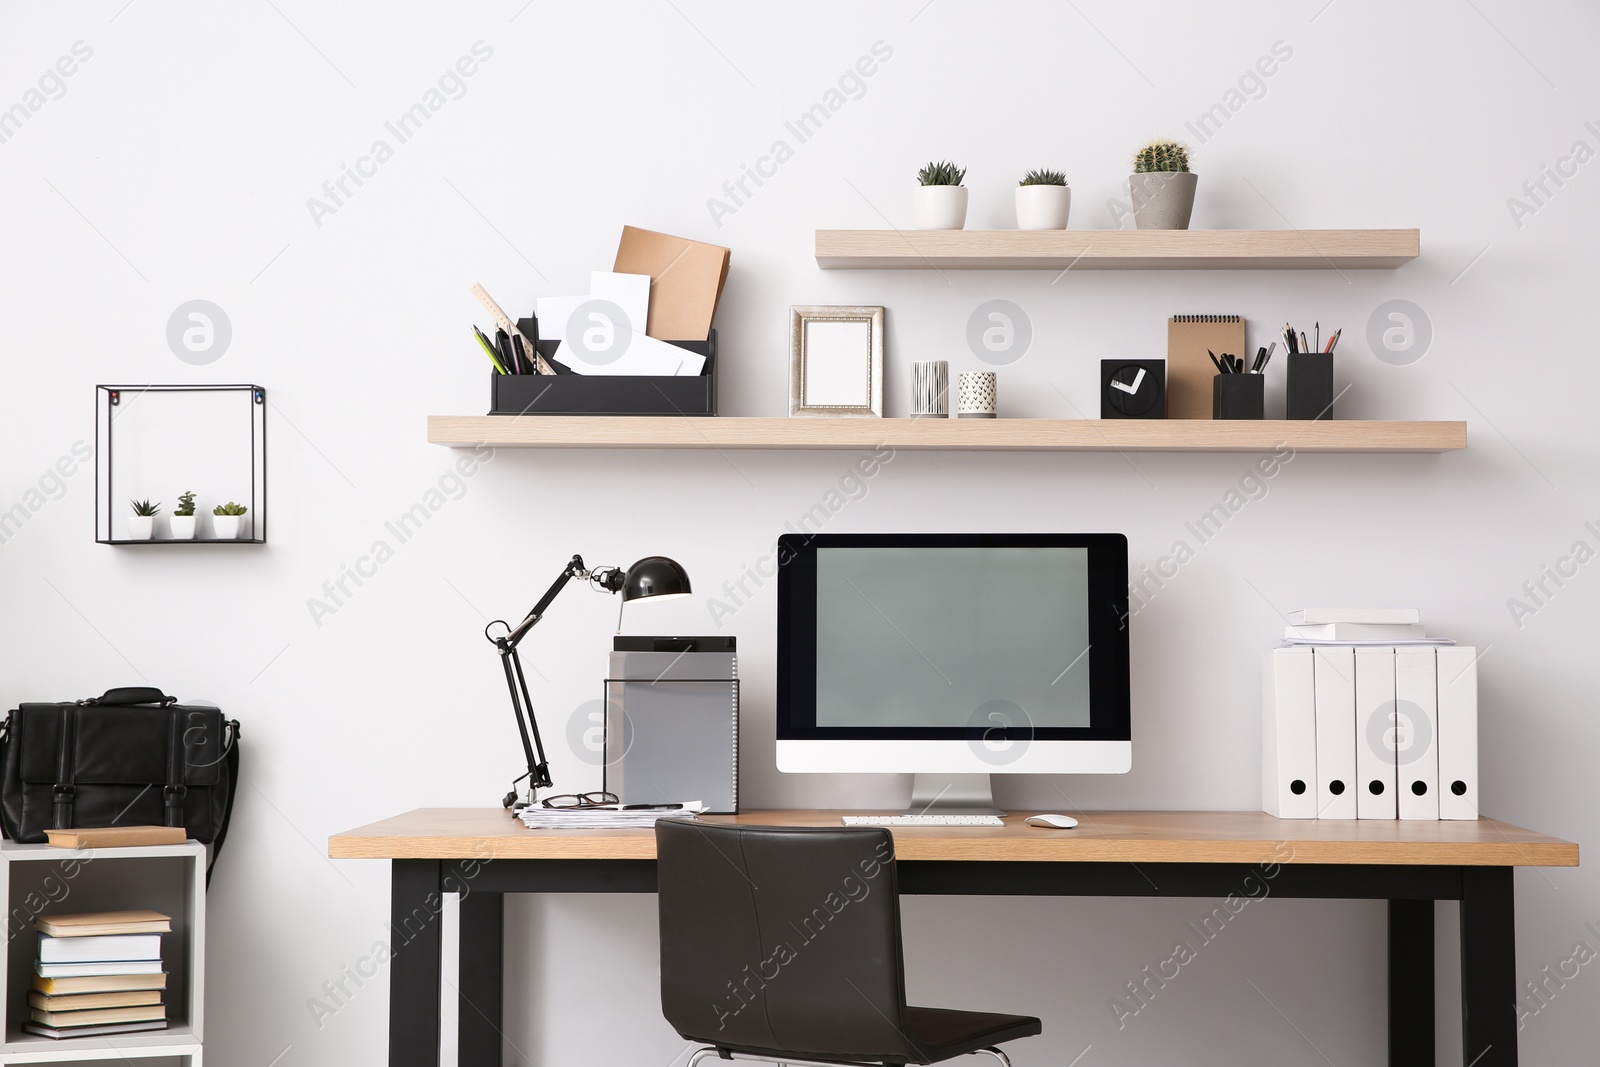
(131, 694)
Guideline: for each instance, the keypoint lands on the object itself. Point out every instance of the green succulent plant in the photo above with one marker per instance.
(941, 174)
(145, 508)
(1161, 157)
(230, 508)
(185, 504)
(1043, 177)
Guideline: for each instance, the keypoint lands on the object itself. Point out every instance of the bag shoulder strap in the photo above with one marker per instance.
(233, 788)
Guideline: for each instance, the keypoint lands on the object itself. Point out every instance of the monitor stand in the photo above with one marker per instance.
(951, 794)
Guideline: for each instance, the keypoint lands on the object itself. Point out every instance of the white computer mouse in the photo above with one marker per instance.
(1052, 822)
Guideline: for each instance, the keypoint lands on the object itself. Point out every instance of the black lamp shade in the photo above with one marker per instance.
(655, 576)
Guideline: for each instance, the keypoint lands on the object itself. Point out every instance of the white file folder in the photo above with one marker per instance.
(1289, 735)
(1335, 675)
(1417, 732)
(1375, 736)
(1458, 732)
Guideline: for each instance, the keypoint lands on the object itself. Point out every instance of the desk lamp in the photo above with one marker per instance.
(654, 577)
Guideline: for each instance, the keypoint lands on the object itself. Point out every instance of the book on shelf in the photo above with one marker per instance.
(66, 1020)
(98, 923)
(1356, 631)
(118, 836)
(102, 948)
(100, 983)
(85, 1001)
(57, 1033)
(98, 968)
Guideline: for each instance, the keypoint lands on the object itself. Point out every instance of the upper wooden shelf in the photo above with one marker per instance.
(1116, 249)
(955, 435)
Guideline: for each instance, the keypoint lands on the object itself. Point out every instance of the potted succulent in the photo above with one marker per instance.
(1162, 186)
(225, 520)
(1043, 200)
(183, 517)
(940, 200)
(143, 522)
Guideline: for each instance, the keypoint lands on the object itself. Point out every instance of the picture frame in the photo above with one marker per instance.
(836, 361)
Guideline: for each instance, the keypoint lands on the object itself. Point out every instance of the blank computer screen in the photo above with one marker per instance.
(952, 637)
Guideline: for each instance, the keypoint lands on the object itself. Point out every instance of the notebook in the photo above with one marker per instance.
(1189, 368)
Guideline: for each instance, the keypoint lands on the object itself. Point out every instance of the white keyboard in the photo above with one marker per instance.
(924, 821)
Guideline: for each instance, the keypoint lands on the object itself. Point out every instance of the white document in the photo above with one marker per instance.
(640, 354)
(553, 313)
(1416, 697)
(1375, 733)
(630, 292)
(1335, 674)
(1374, 616)
(1289, 736)
(1458, 732)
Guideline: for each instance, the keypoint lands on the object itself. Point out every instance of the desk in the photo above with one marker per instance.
(485, 853)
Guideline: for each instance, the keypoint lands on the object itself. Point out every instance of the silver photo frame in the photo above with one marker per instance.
(836, 361)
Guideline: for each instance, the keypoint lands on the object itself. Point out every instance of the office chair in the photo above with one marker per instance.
(782, 945)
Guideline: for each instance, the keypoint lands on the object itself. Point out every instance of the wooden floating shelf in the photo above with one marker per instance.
(1116, 249)
(942, 434)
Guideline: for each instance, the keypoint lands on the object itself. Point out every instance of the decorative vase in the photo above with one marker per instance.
(226, 527)
(140, 527)
(1162, 200)
(183, 527)
(930, 389)
(975, 391)
(939, 207)
(1043, 207)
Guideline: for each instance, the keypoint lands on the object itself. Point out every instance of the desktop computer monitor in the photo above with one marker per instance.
(954, 657)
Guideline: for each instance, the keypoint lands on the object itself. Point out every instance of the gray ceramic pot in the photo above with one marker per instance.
(1162, 200)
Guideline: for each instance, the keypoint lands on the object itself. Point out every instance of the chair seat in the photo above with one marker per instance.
(944, 1033)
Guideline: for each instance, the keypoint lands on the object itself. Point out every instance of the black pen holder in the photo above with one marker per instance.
(1310, 385)
(1238, 396)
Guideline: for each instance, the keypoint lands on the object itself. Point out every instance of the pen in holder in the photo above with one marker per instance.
(1238, 396)
(1310, 388)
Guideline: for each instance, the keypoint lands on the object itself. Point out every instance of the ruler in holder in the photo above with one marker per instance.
(511, 329)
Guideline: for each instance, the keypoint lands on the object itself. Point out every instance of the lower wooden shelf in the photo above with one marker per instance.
(941, 434)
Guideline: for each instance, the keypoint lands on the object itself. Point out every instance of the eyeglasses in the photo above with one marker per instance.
(582, 800)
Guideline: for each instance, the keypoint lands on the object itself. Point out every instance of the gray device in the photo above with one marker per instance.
(672, 722)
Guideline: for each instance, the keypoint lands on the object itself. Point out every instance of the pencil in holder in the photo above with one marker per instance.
(1310, 388)
(1238, 396)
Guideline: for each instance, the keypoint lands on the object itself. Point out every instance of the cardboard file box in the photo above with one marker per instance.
(598, 394)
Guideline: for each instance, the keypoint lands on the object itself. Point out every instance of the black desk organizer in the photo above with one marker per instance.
(1310, 385)
(1238, 396)
(565, 393)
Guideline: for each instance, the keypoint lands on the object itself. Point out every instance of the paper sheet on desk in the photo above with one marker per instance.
(538, 817)
(607, 351)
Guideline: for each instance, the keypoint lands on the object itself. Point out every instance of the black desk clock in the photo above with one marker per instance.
(1133, 388)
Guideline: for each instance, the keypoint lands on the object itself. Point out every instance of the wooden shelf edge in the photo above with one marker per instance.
(999, 435)
(1369, 249)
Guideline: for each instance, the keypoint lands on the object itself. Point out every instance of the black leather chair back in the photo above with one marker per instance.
(782, 940)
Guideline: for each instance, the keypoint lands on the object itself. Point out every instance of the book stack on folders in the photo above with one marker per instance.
(1369, 718)
(98, 973)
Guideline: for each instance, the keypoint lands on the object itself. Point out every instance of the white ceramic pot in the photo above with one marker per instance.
(940, 207)
(225, 527)
(975, 395)
(140, 527)
(1043, 207)
(183, 527)
(1162, 200)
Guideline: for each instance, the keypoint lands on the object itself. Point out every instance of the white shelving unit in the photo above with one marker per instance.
(40, 880)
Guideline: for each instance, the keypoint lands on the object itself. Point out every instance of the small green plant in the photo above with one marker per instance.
(185, 504)
(1043, 177)
(230, 508)
(1160, 157)
(941, 174)
(145, 508)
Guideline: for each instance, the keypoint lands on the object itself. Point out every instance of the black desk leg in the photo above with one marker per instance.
(1488, 967)
(414, 970)
(1411, 999)
(482, 958)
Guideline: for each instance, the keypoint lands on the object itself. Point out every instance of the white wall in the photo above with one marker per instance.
(177, 165)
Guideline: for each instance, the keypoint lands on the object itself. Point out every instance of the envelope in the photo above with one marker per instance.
(686, 279)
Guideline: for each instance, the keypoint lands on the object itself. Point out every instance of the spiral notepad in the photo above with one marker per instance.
(1189, 368)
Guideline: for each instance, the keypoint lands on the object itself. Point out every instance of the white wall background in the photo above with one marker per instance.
(177, 163)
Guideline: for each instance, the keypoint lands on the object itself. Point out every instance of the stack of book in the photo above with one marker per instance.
(98, 973)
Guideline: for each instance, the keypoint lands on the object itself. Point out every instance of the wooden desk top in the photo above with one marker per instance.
(1100, 837)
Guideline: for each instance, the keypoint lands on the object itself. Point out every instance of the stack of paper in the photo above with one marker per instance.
(1358, 626)
(537, 817)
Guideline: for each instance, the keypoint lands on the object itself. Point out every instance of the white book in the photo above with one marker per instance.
(1416, 699)
(1375, 759)
(79, 970)
(1289, 735)
(1357, 631)
(1335, 674)
(1458, 732)
(99, 947)
(1317, 616)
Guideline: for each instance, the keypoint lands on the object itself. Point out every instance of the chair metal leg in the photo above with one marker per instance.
(992, 1051)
